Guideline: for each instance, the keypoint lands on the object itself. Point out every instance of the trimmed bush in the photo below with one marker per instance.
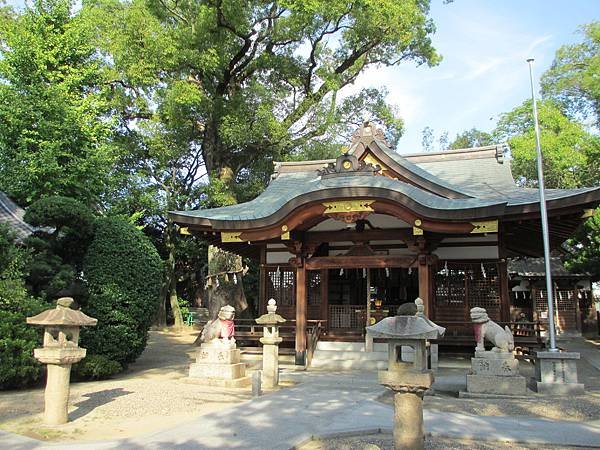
(123, 273)
(97, 367)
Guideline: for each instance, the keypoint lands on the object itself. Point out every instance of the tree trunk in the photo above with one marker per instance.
(171, 278)
(161, 313)
(224, 266)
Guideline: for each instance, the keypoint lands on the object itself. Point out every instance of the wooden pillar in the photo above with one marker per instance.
(504, 291)
(425, 283)
(324, 307)
(262, 286)
(301, 305)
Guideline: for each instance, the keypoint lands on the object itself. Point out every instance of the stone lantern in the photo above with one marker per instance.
(408, 380)
(60, 351)
(270, 341)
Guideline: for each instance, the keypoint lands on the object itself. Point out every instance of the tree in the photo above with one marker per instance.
(427, 139)
(571, 154)
(55, 121)
(584, 248)
(65, 229)
(223, 88)
(573, 80)
(471, 138)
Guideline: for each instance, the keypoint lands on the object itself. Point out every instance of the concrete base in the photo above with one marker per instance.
(218, 371)
(236, 383)
(558, 388)
(492, 384)
(464, 394)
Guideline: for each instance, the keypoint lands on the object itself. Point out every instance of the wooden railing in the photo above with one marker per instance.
(313, 332)
(347, 316)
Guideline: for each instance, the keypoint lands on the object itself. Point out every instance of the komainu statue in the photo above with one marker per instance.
(485, 328)
(221, 330)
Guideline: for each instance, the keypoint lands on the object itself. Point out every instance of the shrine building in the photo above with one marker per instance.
(347, 241)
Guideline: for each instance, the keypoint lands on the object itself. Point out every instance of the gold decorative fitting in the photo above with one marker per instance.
(231, 236)
(284, 228)
(417, 231)
(348, 206)
(185, 231)
(418, 222)
(370, 159)
(285, 236)
(489, 226)
(347, 165)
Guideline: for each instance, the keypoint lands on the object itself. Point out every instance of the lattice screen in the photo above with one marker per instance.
(281, 286)
(467, 285)
(314, 287)
(564, 300)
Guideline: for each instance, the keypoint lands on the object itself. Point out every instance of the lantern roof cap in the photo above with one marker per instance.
(62, 315)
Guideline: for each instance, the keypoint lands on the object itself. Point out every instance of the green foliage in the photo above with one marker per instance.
(471, 138)
(584, 248)
(97, 367)
(573, 80)
(571, 154)
(123, 273)
(55, 125)
(59, 248)
(18, 368)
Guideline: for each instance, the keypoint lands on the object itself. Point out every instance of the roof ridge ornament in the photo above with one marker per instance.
(347, 164)
(367, 133)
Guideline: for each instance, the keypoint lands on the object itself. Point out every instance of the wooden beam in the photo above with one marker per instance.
(358, 262)
(301, 310)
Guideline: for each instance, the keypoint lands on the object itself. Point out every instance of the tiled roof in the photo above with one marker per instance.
(12, 215)
(535, 267)
(473, 179)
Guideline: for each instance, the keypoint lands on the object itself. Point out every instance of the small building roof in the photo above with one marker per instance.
(12, 215)
(536, 268)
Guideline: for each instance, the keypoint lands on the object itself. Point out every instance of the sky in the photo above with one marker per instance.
(485, 44)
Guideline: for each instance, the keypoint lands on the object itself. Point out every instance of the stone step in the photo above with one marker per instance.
(348, 346)
(339, 364)
(350, 355)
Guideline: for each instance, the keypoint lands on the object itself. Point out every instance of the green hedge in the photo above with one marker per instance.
(18, 367)
(123, 274)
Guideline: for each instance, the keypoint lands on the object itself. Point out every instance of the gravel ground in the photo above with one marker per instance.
(383, 441)
(152, 395)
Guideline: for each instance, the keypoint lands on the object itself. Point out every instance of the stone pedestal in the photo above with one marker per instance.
(270, 341)
(556, 373)
(219, 365)
(270, 370)
(495, 373)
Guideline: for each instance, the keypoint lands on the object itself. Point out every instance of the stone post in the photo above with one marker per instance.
(270, 341)
(409, 381)
(408, 420)
(60, 351)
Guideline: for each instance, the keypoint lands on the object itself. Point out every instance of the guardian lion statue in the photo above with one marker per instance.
(485, 328)
(220, 330)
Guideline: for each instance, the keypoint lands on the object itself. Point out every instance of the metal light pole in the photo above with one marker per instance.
(544, 217)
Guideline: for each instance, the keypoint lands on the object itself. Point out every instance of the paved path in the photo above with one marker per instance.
(322, 404)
